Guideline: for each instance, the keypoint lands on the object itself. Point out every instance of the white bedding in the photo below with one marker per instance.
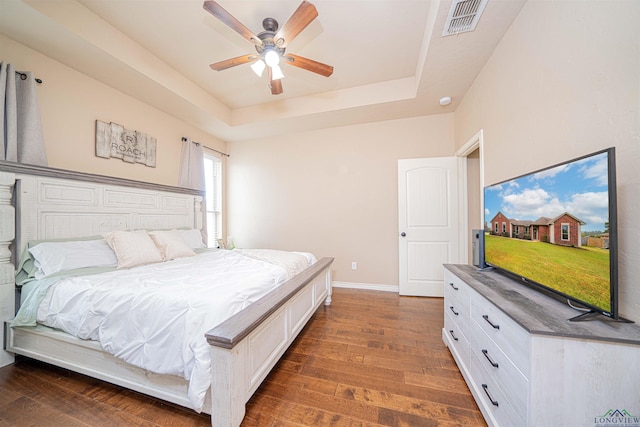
(156, 316)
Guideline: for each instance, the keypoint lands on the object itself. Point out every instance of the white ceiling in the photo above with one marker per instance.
(390, 60)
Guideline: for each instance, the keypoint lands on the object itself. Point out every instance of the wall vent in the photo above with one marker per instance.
(463, 16)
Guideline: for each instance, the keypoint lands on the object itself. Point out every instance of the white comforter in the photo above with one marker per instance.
(155, 316)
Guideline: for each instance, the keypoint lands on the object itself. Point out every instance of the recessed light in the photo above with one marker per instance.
(445, 100)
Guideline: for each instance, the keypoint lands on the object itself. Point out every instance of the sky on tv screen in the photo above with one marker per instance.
(578, 187)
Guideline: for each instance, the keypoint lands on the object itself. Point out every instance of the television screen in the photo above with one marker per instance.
(556, 228)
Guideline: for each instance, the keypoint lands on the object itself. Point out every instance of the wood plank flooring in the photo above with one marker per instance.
(370, 359)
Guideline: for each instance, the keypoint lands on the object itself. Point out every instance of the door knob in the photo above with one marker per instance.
(403, 234)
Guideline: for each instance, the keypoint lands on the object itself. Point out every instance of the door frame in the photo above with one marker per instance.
(475, 142)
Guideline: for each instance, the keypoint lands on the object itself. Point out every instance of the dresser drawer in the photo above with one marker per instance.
(505, 374)
(456, 289)
(492, 397)
(510, 337)
(456, 340)
(458, 312)
(456, 299)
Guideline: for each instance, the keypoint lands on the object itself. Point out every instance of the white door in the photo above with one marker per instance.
(428, 221)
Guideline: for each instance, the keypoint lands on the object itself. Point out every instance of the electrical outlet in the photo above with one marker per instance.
(354, 265)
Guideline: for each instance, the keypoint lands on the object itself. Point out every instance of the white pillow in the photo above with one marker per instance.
(171, 244)
(52, 257)
(193, 238)
(133, 248)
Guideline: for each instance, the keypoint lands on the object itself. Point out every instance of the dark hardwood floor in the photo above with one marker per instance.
(371, 358)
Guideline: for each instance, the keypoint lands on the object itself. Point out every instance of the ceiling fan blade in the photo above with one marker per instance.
(219, 12)
(275, 85)
(304, 14)
(309, 64)
(232, 62)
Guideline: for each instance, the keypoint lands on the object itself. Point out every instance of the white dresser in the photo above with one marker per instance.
(527, 365)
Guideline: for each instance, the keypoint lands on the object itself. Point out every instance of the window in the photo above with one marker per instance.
(213, 182)
(504, 227)
(496, 227)
(564, 230)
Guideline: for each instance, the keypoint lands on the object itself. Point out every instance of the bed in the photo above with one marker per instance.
(44, 204)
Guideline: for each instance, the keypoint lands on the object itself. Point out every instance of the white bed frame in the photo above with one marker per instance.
(45, 203)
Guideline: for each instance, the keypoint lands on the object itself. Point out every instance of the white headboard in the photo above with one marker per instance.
(53, 208)
(53, 204)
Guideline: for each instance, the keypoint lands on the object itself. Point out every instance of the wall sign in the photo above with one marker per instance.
(113, 140)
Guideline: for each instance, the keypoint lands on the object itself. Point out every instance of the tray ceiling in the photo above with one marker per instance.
(389, 56)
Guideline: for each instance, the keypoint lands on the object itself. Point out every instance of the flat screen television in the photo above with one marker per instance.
(555, 230)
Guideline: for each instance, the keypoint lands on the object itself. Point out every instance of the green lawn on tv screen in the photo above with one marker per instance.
(580, 272)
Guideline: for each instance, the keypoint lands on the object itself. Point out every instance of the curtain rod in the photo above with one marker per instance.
(23, 76)
(208, 148)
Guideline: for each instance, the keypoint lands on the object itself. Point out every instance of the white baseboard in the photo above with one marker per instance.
(367, 286)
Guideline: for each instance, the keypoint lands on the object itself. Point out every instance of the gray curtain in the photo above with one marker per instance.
(20, 125)
(192, 174)
(192, 166)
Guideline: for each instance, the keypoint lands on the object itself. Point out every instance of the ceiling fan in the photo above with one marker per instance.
(271, 44)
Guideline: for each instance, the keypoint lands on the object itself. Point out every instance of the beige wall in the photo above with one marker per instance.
(71, 102)
(564, 82)
(332, 192)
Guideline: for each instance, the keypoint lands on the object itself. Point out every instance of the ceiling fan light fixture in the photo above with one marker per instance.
(276, 72)
(258, 67)
(272, 58)
(271, 44)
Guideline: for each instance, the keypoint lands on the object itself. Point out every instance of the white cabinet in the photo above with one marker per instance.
(526, 365)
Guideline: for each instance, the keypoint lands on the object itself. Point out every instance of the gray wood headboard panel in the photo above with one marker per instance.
(19, 168)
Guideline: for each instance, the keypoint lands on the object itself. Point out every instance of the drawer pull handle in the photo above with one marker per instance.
(486, 354)
(453, 286)
(486, 317)
(454, 337)
(453, 310)
(486, 390)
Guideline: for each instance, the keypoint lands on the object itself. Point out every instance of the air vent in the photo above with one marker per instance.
(463, 16)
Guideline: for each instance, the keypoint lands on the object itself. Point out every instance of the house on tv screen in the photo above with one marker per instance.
(561, 230)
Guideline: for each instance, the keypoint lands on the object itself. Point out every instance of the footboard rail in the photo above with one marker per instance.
(244, 348)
